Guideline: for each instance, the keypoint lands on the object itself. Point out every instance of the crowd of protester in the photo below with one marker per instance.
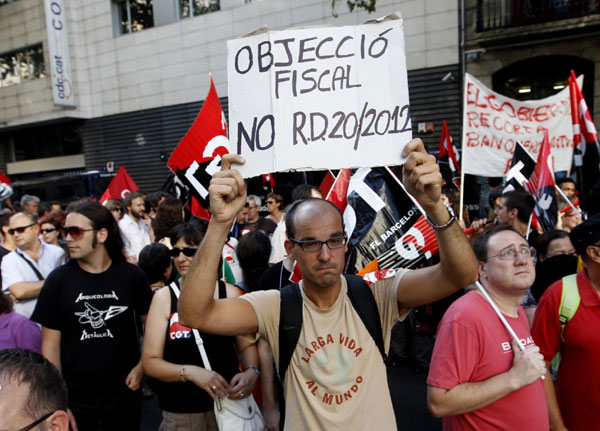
(95, 289)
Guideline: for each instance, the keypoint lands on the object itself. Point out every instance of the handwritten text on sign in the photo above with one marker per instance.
(493, 123)
(319, 98)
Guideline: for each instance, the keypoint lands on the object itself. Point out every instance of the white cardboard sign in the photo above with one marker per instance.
(319, 98)
(493, 123)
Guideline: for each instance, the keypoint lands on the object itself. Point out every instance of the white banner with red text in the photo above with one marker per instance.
(493, 123)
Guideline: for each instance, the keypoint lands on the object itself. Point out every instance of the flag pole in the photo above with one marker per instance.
(558, 189)
(462, 189)
(529, 225)
(499, 314)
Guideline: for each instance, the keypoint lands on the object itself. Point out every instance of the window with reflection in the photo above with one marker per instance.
(22, 65)
(134, 15)
(188, 8)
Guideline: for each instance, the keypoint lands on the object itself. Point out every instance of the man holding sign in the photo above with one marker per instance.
(336, 378)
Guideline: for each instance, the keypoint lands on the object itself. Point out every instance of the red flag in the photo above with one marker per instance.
(326, 183)
(198, 210)
(584, 131)
(295, 275)
(198, 154)
(339, 190)
(120, 186)
(269, 179)
(541, 185)
(447, 149)
(4, 179)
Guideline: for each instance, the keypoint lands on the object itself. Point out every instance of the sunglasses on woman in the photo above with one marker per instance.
(48, 230)
(76, 232)
(187, 251)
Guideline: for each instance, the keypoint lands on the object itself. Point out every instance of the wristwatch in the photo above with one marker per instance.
(445, 225)
(252, 367)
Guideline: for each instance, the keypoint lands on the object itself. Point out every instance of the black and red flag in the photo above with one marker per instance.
(542, 186)
(586, 148)
(449, 154)
(198, 155)
(522, 166)
(386, 227)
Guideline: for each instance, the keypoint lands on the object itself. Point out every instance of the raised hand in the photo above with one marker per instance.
(227, 190)
(421, 175)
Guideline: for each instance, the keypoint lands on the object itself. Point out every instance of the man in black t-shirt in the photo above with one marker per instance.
(90, 310)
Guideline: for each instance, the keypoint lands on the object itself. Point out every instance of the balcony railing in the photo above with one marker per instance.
(497, 14)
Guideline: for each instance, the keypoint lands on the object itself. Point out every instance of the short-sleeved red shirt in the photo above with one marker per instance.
(578, 384)
(472, 345)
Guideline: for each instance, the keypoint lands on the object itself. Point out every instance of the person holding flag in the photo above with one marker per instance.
(336, 375)
(479, 378)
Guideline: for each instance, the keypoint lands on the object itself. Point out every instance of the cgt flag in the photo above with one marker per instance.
(448, 153)
(386, 227)
(198, 155)
(120, 186)
(586, 153)
(541, 185)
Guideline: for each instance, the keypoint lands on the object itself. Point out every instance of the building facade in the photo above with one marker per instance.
(140, 68)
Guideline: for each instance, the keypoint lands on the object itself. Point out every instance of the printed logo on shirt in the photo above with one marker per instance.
(97, 318)
(507, 345)
(83, 297)
(176, 330)
(344, 350)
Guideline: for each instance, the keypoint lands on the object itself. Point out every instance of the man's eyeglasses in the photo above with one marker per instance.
(270, 202)
(313, 245)
(48, 230)
(19, 229)
(512, 253)
(187, 251)
(37, 422)
(76, 232)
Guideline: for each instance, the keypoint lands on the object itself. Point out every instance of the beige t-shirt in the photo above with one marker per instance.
(336, 379)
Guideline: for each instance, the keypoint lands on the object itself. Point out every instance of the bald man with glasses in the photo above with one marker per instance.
(25, 269)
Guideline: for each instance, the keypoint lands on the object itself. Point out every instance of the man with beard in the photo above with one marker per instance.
(336, 378)
(90, 311)
(134, 225)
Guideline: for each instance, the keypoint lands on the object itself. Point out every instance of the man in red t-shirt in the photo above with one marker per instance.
(575, 403)
(479, 379)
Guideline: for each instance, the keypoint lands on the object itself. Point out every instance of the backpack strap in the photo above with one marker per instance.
(569, 302)
(290, 317)
(290, 325)
(363, 301)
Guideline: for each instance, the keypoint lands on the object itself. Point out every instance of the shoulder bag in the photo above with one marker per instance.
(231, 415)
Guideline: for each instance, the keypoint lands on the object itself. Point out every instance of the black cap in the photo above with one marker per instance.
(586, 234)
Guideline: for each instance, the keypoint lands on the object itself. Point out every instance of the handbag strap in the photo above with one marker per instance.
(199, 341)
(37, 271)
